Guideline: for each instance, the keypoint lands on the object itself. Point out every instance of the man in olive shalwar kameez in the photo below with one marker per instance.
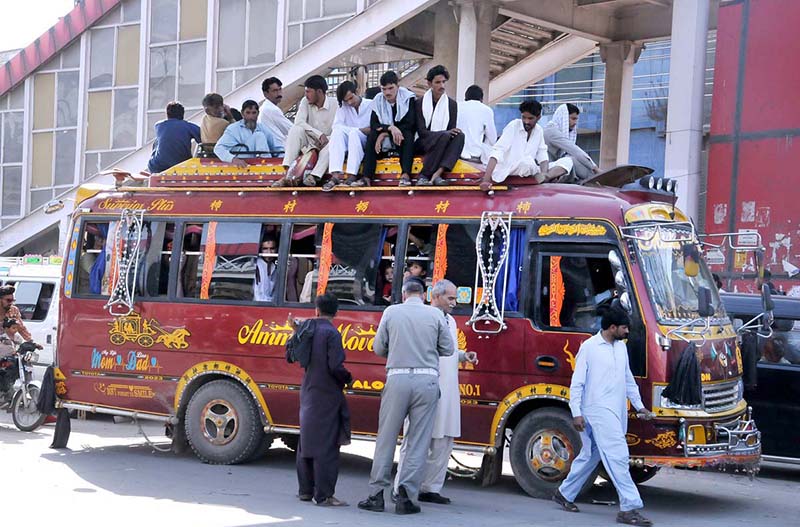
(324, 415)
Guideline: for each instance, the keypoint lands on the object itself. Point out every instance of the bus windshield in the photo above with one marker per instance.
(674, 293)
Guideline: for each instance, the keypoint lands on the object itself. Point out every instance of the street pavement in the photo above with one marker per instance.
(110, 476)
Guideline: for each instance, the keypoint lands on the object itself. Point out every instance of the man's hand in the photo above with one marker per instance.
(397, 135)
(645, 415)
(291, 321)
(471, 357)
(323, 140)
(579, 423)
(596, 170)
(379, 142)
(454, 132)
(239, 163)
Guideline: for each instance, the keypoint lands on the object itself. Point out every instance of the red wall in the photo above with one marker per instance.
(754, 152)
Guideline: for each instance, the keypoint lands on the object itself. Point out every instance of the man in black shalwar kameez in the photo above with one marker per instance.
(324, 415)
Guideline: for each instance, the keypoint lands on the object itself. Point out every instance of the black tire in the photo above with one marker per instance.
(291, 441)
(236, 412)
(638, 474)
(543, 446)
(30, 418)
(263, 446)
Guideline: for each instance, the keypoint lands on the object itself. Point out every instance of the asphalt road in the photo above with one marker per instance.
(110, 476)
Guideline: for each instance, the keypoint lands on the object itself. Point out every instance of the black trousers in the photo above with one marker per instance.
(406, 151)
(316, 476)
(441, 150)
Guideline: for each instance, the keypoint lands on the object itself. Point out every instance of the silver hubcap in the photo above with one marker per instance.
(219, 422)
(549, 454)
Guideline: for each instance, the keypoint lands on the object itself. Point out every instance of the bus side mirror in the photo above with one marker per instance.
(768, 305)
(705, 306)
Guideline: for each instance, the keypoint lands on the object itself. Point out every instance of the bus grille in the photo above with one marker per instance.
(720, 396)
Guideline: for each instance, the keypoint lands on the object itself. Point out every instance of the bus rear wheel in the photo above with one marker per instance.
(543, 446)
(222, 423)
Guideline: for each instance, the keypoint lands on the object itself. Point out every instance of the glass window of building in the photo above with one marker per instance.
(310, 19)
(11, 148)
(177, 57)
(246, 41)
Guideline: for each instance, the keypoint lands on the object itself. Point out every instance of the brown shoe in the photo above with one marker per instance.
(333, 501)
(565, 504)
(632, 518)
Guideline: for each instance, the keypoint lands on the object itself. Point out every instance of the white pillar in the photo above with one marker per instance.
(685, 105)
(474, 40)
(615, 137)
(445, 42)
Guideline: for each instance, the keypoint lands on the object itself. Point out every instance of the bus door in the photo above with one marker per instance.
(571, 282)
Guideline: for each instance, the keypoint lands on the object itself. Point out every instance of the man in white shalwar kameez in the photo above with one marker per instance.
(521, 150)
(561, 135)
(447, 425)
(601, 385)
(349, 136)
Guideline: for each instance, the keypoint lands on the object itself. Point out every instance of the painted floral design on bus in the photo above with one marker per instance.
(134, 328)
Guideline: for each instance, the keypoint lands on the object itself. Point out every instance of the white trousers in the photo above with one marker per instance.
(435, 465)
(350, 141)
(296, 140)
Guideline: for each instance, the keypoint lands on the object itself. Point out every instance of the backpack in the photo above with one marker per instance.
(298, 347)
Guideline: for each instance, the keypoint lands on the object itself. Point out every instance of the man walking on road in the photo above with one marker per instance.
(412, 337)
(447, 425)
(601, 384)
(324, 415)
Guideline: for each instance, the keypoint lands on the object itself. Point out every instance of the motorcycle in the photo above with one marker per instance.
(18, 391)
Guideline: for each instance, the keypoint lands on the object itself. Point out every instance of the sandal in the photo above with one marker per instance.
(405, 181)
(331, 183)
(349, 180)
(440, 182)
(423, 182)
(360, 182)
(633, 518)
(309, 180)
(285, 181)
(567, 505)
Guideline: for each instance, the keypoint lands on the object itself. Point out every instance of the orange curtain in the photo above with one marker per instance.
(209, 259)
(325, 259)
(556, 291)
(440, 260)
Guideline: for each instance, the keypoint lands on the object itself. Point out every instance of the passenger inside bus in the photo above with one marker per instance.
(266, 269)
(189, 282)
(91, 262)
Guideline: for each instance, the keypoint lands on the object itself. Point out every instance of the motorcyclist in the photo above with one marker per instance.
(12, 334)
(9, 311)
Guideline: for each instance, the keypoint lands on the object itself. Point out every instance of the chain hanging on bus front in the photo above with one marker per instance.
(492, 247)
(124, 258)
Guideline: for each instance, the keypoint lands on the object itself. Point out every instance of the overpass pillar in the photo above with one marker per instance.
(687, 71)
(475, 21)
(619, 58)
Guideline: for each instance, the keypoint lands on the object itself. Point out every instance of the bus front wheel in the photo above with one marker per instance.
(222, 423)
(543, 445)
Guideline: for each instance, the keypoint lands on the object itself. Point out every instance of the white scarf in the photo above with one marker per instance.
(436, 119)
(383, 109)
(560, 121)
(264, 283)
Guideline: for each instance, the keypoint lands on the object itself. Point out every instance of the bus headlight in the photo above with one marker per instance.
(663, 402)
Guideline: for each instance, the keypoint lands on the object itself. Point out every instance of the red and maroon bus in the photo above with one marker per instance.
(158, 316)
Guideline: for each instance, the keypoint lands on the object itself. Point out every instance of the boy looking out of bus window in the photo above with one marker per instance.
(266, 270)
(173, 143)
(521, 150)
(244, 138)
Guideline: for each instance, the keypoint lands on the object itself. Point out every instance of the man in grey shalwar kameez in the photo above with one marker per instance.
(561, 134)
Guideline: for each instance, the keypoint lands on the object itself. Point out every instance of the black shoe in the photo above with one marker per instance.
(304, 497)
(404, 505)
(565, 504)
(373, 503)
(632, 518)
(434, 497)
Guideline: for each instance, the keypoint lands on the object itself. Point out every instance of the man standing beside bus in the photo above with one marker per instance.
(412, 337)
(602, 384)
(324, 415)
(447, 425)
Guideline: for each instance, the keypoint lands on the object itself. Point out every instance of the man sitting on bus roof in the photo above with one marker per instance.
(271, 116)
(173, 142)
(521, 150)
(216, 119)
(393, 125)
(312, 130)
(245, 138)
(350, 129)
(561, 134)
(439, 139)
(476, 120)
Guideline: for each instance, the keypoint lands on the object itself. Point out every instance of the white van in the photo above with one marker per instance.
(37, 280)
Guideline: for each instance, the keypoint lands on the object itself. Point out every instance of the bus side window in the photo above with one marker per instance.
(572, 287)
(266, 264)
(359, 254)
(152, 277)
(93, 269)
(190, 272)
